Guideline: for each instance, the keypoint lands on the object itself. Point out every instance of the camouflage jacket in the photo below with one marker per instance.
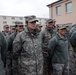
(3, 48)
(10, 53)
(46, 36)
(58, 49)
(6, 34)
(27, 50)
(10, 40)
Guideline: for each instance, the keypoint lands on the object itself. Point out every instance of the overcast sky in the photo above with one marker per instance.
(25, 7)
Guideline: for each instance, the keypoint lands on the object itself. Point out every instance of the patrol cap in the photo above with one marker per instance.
(73, 25)
(66, 25)
(12, 26)
(62, 26)
(18, 23)
(54, 20)
(32, 19)
(39, 25)
(6, 26)
(50, 20)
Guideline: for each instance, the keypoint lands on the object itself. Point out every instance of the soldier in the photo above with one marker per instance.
(12, 29)
(58, 50)
(6, 31)
(72, 29)
(38, 26)
(73, 43)
(18, 28)
(46, 34)
(27, 50)
(3, 48)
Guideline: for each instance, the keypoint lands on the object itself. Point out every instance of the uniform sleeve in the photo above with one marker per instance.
(16, 51)
(3, 49)
(9, 42)
(51, 47)
(17, 46)
(73, 40)
(42, 39)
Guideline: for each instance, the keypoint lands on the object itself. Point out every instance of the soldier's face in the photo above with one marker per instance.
(20, 28)
(12, 30)
(32, 25)
(39, 28)
(6, 29)
(62, 31)
(50, 25)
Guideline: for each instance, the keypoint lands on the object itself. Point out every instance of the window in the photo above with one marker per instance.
(13, 22)
(58, 10)
(13, 18)
(4, 22)
(4, 17)
(69, 7)
(21, 18)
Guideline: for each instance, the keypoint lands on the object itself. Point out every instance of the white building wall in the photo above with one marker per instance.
(11, 21)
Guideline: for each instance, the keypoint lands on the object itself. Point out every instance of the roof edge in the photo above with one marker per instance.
(56, 2)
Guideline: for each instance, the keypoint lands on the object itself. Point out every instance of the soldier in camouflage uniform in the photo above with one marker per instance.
(3, 48)
(73, 43)
(46, 34)
(6, 31)
(39, 27)
(72, 29)
(58, 50)
(27, 50)
(18, 28)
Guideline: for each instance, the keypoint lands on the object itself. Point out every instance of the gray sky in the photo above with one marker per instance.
(25, 7)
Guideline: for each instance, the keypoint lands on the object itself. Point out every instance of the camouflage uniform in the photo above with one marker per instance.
(6, 34)
(10, 40)
(46, 35)
(73, 43)
(9, 54)
(3, 48)
(59, 55)
(72, 29)
(27, 50)
(60, 69)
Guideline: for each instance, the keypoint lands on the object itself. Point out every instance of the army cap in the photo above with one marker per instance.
(6, 26)
(19, 23)
(54, 20)
(50, 20)
(32, 19)
(73, 25)
(12, 26)
(39, 25)
(67, 25)
(62, 26)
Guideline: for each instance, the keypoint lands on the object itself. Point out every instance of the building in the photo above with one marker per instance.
(63, 11)
(10, 20)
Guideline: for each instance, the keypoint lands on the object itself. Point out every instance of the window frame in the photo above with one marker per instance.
(4, 17)
(57, 11)
(67, 11)
(4, 22)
